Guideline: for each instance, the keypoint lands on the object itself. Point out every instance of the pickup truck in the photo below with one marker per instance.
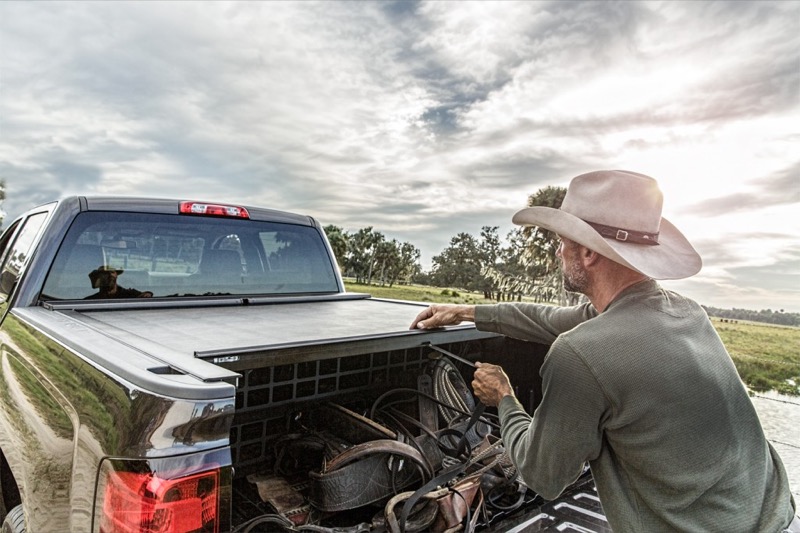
(174, 366)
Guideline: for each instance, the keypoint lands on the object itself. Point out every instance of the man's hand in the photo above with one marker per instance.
(491, 384)
(437, 316)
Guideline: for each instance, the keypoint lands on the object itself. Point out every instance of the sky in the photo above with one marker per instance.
(421, 119)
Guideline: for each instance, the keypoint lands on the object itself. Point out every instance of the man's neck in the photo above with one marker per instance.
(605, 290)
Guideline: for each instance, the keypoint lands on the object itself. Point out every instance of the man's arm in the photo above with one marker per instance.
(550, 448)
(530, 322)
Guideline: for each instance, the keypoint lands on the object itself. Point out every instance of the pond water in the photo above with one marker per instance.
(780, 418)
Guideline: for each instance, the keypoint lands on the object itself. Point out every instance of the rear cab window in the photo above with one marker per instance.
(168, 256)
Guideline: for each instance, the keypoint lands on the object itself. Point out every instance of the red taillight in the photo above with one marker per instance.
(215, 210)
(143, 502)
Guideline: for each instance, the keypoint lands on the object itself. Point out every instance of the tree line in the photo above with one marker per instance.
(526, 266)
(765, 315)
(368, 256)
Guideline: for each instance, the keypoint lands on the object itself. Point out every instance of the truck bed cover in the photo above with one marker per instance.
(240, 336)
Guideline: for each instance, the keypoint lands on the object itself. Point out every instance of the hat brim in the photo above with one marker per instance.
(672, 258)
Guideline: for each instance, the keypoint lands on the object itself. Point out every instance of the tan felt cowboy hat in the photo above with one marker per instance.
(617, 214)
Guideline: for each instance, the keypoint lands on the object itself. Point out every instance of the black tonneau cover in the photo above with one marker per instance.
(254, 333)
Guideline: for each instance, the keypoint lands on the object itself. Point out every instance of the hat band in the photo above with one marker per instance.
(625, 235)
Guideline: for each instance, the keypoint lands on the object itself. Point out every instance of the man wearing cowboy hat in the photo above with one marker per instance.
(636, 382)
(104, 278)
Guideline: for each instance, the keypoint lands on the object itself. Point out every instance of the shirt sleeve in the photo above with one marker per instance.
(531, 322)
(550, 448)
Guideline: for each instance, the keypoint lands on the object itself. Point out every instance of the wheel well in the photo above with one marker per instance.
(8, 487)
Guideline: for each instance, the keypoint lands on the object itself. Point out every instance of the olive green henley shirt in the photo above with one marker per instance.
(648, 395)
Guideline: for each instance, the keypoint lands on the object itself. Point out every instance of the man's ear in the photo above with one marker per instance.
(589, 257)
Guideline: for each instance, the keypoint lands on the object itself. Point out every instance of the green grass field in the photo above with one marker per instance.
(418, 293)
(766, 356)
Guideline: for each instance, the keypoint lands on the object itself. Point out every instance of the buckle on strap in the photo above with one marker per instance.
(625, 235)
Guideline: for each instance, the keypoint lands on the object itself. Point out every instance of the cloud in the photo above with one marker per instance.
(779, 188)
(773, 284)
(421, 119)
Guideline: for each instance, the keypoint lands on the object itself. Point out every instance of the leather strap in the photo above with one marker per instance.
(369, 472)
(446, 476)
(455, 507)
(381, 446)
(423, 515)
(625, 235)
(427, 409)
(476, 414)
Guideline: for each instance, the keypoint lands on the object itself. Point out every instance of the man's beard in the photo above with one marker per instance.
(575, 278)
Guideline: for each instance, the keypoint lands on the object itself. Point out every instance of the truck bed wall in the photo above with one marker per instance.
(267, 395)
